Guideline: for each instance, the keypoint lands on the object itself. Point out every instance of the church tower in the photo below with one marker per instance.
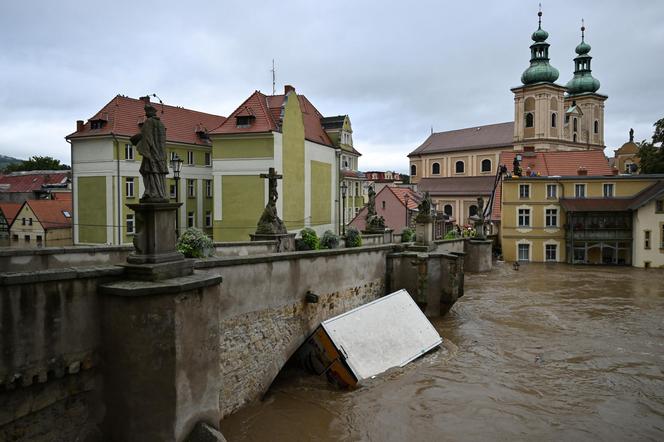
(539, 103)
(584, 114)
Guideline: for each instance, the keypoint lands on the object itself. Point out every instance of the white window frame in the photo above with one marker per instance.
(208, 159)
(555, 191)
(613, 190)
(434, 164)
(547, 217)
(208, 188)
(129, 152)
(527, 187)
(557, 248)
(191, 219)
(191, 188)
(208, 218)
(173, 190)
(524, 215)
(647, 239)
(129, 187)
(413, 170)
(130, 223)
(463, 166)
(578, 186)
(173, 155)
(190, 157)
(490, 165)
(528, 248)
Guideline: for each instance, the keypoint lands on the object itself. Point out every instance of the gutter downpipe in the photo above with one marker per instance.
(118, 194)
(73, 197)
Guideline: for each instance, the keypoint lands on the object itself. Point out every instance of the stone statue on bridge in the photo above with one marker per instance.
(270, 223)
(375, 223)
(151, 144)
(480, 220)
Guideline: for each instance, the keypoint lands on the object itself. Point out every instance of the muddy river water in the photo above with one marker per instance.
(549, 352)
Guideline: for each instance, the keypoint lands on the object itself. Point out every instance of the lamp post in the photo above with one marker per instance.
(176, 164)
(407, 210)
(344, 189)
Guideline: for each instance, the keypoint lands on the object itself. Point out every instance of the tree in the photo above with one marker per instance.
(651, 156)
(37, 163)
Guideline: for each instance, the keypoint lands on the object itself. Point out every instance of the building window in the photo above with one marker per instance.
(208, 188)
(459, 167)
(608, 190)
(524, 252)
(29, 221)
(530, 120)
(129, 187)
(554, 119)
(27, 238)
(173, 155)
(596, 127)
(208, 219)
(208, 159)
(551, 252)
(435, 169)
(646, 239)
(472, 210)
(659, 206)
(486, 166)
(661, 236)
(574, 138)
(524, 191)
(39, 238)
(172, 191)
(551, 217)
(129, 152)
(575, 125)
(14, 237)
(190, 219)
(190, 157)
(524, 217)
(130, 224)
(382, 204)
(23, 221)
(191, 188)
(580, 190)
(551, 191)
(448, 209)
(413, 169)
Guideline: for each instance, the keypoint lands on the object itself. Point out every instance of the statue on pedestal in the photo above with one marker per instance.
(151, 144)
(270, 223)
(375, 223)
(479, 222)
(424, 210)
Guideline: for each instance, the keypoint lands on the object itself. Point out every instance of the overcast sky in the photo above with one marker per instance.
(397, 68)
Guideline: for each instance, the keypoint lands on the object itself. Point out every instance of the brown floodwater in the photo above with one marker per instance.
(549, 352)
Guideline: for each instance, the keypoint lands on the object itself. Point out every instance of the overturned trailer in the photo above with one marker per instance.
(368, 340)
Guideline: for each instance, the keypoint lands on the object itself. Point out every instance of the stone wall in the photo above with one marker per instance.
(264, 316)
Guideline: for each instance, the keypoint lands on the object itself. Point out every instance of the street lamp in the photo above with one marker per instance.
(176, 164)
(344, 189)
(407, 197)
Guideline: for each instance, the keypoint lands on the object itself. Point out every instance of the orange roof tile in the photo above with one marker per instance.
(123, 115)
(50, 213)
(9, 210)
(30, 181)
(560, 163)
(401, 192)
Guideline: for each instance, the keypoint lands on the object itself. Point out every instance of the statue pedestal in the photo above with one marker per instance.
(155, 257)
(478, 256)
(424, 233)
(285, 241)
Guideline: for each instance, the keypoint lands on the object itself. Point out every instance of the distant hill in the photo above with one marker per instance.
(6, 161)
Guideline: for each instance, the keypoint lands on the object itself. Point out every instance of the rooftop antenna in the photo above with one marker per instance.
(539, 15)
(274, 83)
(432, 129)
(583, 29)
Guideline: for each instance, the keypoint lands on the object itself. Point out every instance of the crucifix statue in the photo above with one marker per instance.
(269, 222)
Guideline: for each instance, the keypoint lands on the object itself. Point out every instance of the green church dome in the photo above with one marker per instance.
(539, 70)
(583, 80)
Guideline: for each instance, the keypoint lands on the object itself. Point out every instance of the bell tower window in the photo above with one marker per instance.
(554, 119)
(530, 120)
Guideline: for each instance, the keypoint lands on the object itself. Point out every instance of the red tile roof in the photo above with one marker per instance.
(61, 195)
(50, 213)
(477, 137)
(9, 210)
(30, 181)
(267, 111)
(123, 115)
(470, 185)
(401, 192)
(560, 163)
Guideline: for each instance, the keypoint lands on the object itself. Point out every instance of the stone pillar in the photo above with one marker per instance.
(155, 238)
(424, 233)
(161, 357)
(478, 256)
(452, 280)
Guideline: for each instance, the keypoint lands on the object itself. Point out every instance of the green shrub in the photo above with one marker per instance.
(194, 243)
(407, 235)
(353, 237)
(450, 235)
(329, 240)
(308, 241)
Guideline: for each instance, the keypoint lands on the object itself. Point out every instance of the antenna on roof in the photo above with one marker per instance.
(160, 102)
(274, 84)
(432, 129)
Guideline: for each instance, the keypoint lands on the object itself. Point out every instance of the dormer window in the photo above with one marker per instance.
(96, 124)
(244, 120)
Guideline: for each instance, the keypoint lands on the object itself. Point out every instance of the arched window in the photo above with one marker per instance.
(574, 138)
(459, 167)
(575, 125)
(448, 209)
(472, 210)
(554, 119)
(486, 165)
(413, 169)
(530, 120)
(596, 128)
(435, 169)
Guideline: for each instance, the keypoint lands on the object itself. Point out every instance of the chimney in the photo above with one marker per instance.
(145, 99)
(582, 171)
(79, 125)
(288, 88)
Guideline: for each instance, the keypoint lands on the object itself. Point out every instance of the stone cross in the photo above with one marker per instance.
(272, 178)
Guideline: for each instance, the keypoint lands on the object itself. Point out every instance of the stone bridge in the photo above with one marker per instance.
(82, 345)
